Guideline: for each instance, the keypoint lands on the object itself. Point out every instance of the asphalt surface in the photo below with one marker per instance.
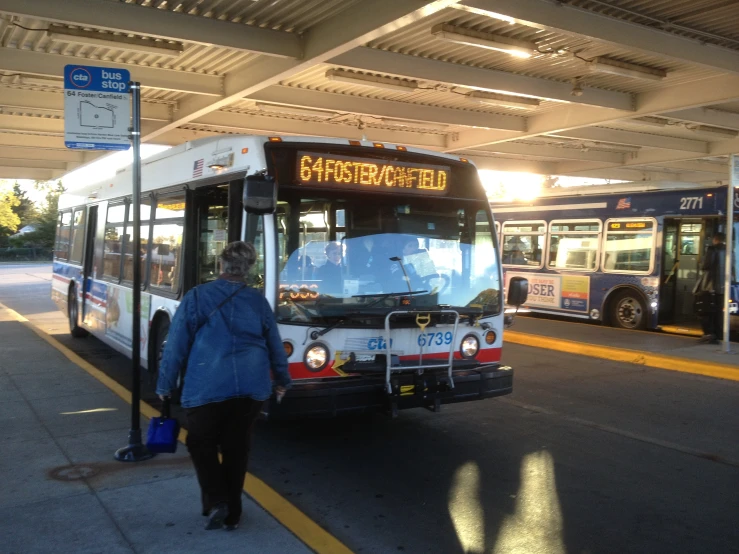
(586, 456)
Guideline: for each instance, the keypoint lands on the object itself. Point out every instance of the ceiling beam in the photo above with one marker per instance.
(631, 138)
(158, 23)
(18, 152)
(350, 28)
(53, 102)
(707, 116)
(558, 16)
(39, 125)
(697, 166)
(554, 152)
(665, 157)
(33, 162)
(414, 67)
(291, 96)
(243, 123)
(36, 141)
(715, 90)
(494, 163)
(19, 172)
(52, 65)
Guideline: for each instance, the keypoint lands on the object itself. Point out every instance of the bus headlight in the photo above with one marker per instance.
(316, 357)
(470, 346)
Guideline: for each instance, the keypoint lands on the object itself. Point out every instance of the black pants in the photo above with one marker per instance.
(226, 426)
(713, 324)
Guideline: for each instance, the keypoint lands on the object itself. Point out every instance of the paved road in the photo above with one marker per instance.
(586, 456)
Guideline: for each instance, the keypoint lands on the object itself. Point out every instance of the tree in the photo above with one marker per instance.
(26, 209)
(47, 217)
(9, 220)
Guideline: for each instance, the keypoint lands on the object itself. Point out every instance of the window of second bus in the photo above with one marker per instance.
(629, 246)
(523, 243)
(574, 244)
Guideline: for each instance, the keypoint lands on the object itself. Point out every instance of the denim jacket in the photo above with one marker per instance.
(228, 354)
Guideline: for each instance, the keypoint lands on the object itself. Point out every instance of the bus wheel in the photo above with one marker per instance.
(627, 311)
(73, 314)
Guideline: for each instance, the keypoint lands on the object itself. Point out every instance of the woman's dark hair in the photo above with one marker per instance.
(238, 257)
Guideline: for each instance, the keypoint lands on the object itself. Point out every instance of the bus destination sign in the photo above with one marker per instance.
(371, 174)
(635, 225)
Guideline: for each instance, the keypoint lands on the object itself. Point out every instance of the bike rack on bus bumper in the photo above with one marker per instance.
(389, 367)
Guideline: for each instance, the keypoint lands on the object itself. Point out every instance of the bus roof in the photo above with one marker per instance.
(200, 159)
(618, 188)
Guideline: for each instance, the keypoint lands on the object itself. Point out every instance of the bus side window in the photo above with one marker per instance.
(114, 228)
(61, 247)
(78, 236)
(166, 248)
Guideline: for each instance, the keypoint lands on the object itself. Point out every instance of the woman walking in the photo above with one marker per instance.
(225, 340)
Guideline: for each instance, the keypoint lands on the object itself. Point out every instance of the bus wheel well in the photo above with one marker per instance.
(619, 294)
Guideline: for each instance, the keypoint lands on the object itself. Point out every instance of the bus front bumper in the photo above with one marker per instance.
(356, 394)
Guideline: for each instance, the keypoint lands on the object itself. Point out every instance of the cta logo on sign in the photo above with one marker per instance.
(80, 77)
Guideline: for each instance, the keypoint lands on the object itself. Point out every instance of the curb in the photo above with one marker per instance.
(660, 361)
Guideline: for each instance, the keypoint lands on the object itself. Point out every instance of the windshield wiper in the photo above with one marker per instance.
(384, 295)
(345, 317)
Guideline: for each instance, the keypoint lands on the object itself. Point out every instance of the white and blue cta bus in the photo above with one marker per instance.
(380, 262)
(627, 255)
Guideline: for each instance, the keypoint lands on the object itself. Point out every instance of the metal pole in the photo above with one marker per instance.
(136, 451)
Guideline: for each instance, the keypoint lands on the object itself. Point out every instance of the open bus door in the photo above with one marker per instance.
(88, 263)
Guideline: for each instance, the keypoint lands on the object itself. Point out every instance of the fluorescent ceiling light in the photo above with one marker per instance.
(294, 110)
(108, 40)
(490, 41)
(624, 69)
(651, 121)
(495, 99)
(341, 76)
(486, 13)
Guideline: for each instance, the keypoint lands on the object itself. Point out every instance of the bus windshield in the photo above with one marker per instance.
(360, 256)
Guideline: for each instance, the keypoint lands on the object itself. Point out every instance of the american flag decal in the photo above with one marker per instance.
(624, 203)
(197, 169)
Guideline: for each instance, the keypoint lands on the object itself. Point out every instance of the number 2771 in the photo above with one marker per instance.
(691, 203)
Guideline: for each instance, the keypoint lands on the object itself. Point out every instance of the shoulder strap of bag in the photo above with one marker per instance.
(225, 301)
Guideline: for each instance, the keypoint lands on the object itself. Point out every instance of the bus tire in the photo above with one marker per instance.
(73, 315)
(628, 311)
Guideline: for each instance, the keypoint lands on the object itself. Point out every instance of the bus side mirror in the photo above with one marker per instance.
(260, 194)
(518, 291)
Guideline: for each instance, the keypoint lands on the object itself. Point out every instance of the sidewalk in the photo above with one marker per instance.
(63, 492)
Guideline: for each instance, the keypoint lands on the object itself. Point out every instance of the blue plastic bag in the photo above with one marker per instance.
(161, 437)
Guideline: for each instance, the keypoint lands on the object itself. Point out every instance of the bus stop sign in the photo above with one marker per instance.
(97, 108)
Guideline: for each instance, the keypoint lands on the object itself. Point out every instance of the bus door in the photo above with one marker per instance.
(670, 265)
(218, 213)
(689, 247)
(88, 263)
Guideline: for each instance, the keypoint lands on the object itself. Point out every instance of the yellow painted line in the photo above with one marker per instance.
(681, 330)
(649, 359)
(307, 530)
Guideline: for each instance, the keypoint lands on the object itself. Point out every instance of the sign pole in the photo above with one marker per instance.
(733, 183)
(136, 451)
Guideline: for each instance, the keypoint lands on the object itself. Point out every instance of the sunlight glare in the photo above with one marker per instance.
(537, 524)
(466, 509)
(507, 186)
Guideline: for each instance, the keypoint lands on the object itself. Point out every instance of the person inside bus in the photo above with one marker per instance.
(331, 273)
(361, 256)
(710, 290)
(225, 335)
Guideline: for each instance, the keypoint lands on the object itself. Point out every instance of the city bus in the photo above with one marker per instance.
(627, 255)
(409, 313)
